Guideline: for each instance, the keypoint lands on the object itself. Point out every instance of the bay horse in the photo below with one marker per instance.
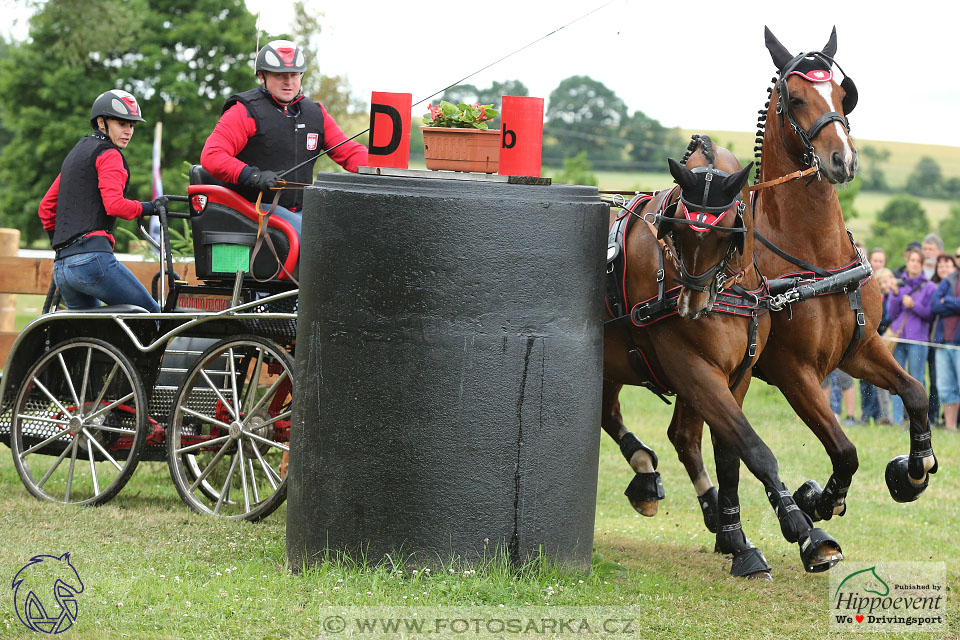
(697, 341)
(806, 126)
(803, 129)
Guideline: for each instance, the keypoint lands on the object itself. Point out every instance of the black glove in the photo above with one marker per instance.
(262, 180)
(159, 202)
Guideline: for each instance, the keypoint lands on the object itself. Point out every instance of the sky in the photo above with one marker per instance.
(693, 64)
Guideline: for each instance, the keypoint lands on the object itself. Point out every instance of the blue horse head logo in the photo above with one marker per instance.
(45, 593)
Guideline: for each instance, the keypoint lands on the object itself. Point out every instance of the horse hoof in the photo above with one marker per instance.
(807, 497)
(646, 508)
(709, 505)
(750, 563)
(901, 488)
(644, 491)
(819, 551)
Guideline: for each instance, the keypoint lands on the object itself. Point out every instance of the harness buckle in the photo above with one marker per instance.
(753, 349)
(660, 275)
(861, 320)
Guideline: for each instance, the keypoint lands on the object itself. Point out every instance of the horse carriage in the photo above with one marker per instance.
(206, 384)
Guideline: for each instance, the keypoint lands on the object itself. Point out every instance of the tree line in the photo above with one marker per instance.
(183, 58)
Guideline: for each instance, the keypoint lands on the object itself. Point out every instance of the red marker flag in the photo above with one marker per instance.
(521, 136)
(389, 144)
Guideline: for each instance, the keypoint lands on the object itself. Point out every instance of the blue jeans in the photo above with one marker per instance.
(948, 375)
(87, 279)
(869, 402)
(913, 358)
(295, 218)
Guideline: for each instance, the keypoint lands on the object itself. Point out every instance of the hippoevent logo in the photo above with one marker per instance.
(45, 593)
(889, 596)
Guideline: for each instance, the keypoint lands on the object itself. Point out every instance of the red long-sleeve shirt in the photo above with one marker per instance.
(236, 126)
(111, 179)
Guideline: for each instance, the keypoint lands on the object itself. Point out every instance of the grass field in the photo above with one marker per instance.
(154, 569)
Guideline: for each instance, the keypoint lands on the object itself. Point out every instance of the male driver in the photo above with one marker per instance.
(267, 130)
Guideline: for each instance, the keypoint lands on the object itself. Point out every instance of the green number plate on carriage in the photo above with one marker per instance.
(230, 258)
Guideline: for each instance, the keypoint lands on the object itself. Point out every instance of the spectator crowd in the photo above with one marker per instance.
(921, 319)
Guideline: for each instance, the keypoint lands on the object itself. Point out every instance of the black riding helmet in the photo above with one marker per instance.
(281, 56)
(115, 103)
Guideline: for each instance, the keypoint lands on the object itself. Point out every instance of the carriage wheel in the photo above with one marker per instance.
(230, 427)
(79, 423)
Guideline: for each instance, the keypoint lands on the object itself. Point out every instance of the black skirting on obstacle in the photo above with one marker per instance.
(448, 371)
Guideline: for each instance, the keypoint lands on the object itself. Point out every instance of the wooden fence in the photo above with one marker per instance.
(33, 276)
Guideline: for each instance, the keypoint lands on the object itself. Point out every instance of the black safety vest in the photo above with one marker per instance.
(281, 141)
(80, 208)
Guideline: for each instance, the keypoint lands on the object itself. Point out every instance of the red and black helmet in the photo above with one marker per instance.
(281, 56)
(115, 103)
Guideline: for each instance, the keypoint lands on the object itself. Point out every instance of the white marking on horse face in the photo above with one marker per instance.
(825, 89)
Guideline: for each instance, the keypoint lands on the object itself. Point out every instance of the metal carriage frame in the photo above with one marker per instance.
(87, 394)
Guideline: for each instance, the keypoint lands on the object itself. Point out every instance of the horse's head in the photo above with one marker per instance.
(812, 108)
(707, 226)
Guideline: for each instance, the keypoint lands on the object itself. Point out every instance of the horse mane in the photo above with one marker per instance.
(761, 128)
(704, 143)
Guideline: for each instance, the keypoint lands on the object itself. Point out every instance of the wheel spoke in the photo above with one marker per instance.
(103, 427)
(62, 408)
(86, 379)
(197, 414)
(254, 382)
(42, 444)
(56, 464)
(200, 445)
(93, 468)
(27, 416)
(206, 472)
(73, 391)
(268, 394)
(243, 477)
(253, 480)
(75, 445)
(281, 416)
(110, 406)
(106, 384)
(226, 485)
(268, 470)
(100, 448)
(219, 395)
(233, 384)
(271, 443)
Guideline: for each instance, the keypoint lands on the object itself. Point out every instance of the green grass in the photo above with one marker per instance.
(154, 569)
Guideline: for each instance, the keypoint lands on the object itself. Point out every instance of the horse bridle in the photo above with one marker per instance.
(809, 156)
(715, 277)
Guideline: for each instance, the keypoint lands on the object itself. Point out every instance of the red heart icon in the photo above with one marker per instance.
(859, 619)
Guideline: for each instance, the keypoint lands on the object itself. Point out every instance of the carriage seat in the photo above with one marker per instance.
(225, 233)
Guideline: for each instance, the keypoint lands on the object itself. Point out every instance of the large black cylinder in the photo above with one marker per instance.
(449, 371)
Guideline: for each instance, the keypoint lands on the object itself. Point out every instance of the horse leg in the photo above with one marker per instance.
(686, 434)
(906, 476)
(804, 395)
(646, 489)
(748, 560)
(728, 425)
